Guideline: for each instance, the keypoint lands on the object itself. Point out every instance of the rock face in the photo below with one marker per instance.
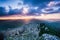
(1, 36)
(31, 31)
(49, 37)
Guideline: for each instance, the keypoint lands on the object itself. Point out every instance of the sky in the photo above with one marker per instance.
(44, 6)
(48, 17)
(32, 6)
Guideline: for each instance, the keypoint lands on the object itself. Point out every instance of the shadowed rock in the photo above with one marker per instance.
(1, 36)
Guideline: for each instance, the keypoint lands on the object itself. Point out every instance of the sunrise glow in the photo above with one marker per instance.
(50, 17)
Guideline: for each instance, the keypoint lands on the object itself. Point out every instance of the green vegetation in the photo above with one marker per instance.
(45, 29)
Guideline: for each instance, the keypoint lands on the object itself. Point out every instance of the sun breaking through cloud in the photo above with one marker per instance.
(48, 17)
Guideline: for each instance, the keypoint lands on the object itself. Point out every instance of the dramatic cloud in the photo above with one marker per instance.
(52, 7)
(54, 3)
(35, 2)
(31, 7)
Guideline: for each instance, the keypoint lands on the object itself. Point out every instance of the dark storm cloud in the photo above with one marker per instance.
(35, 2)
(2, 11)
(6, 1)
(44, 6)
(52, 7)
(3, 0)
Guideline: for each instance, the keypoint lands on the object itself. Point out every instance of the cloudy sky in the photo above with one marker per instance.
(38, 6)
(44, 9)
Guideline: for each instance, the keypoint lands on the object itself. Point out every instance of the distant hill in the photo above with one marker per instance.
(55, 25)
(9, 24)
